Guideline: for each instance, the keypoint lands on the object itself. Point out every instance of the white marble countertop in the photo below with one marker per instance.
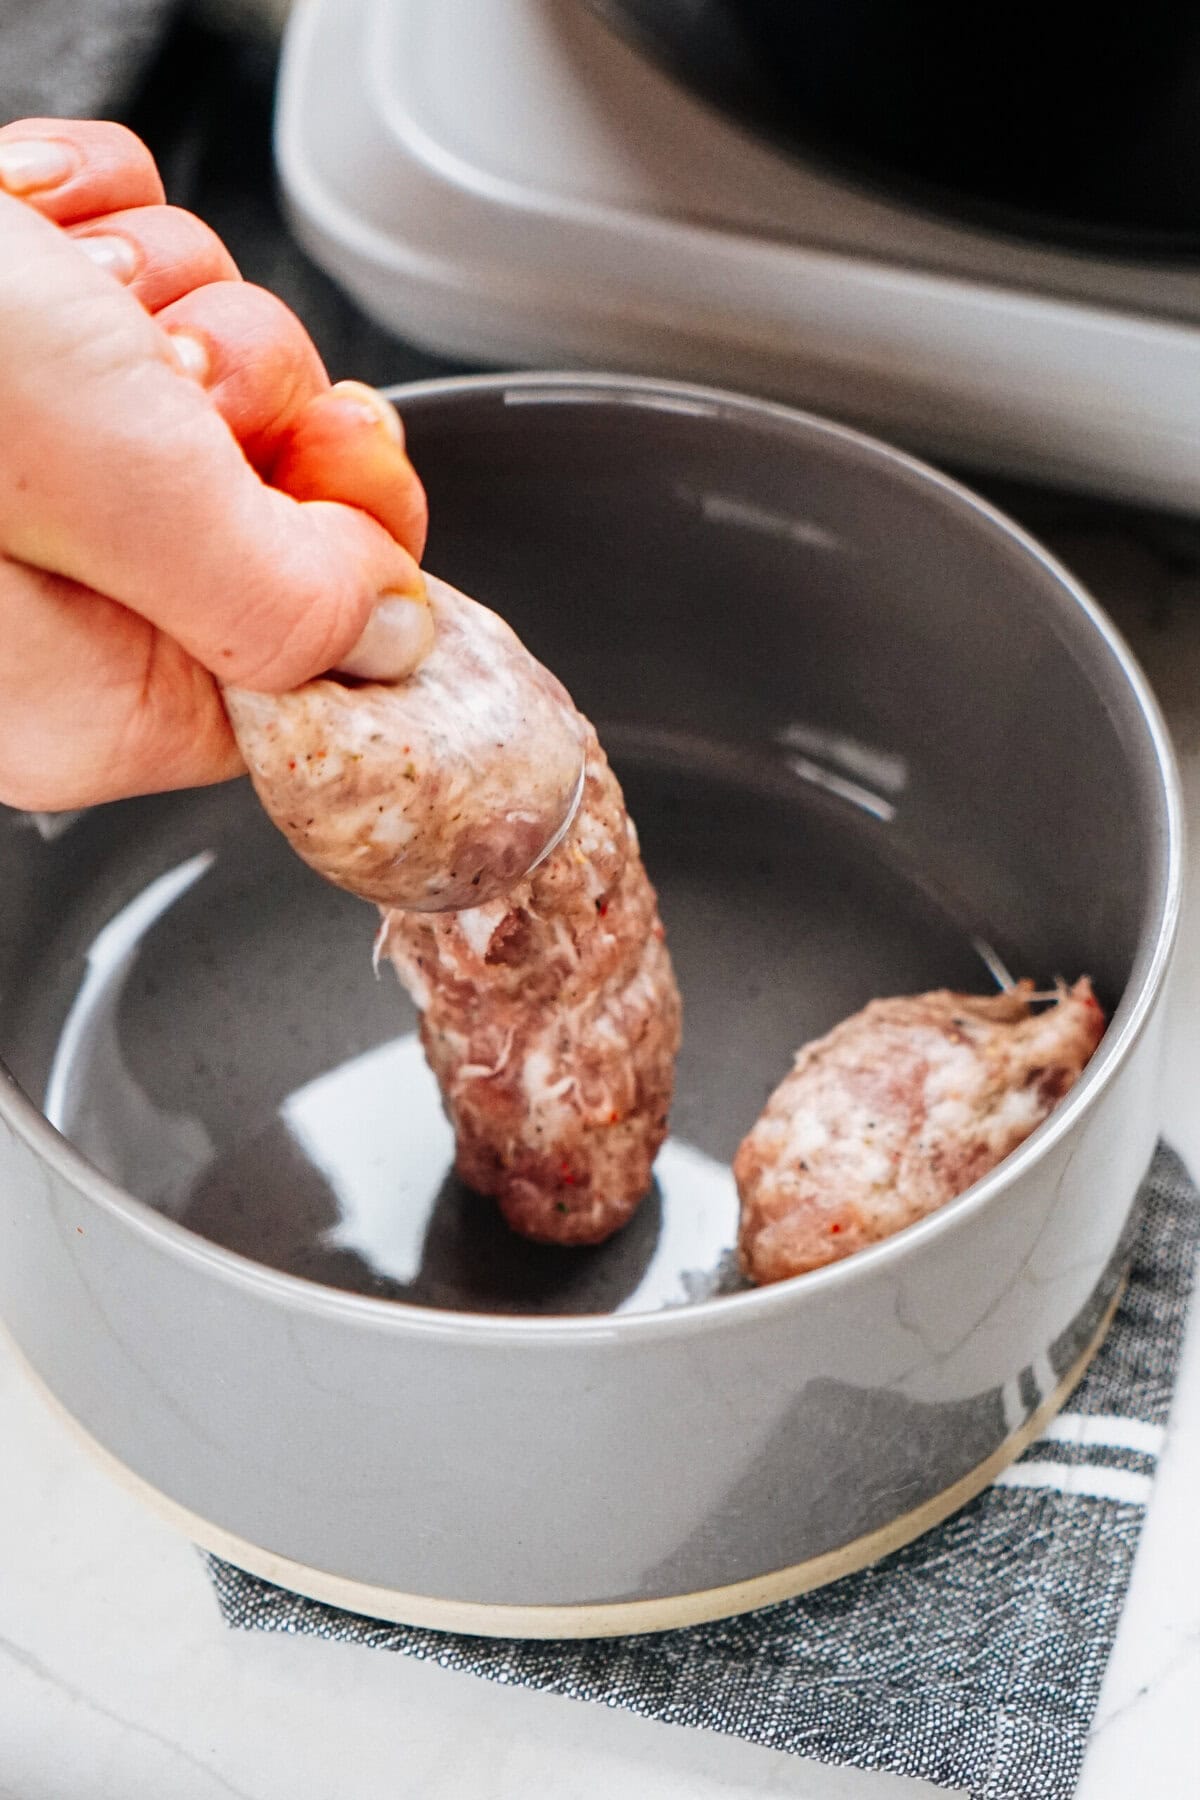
(118, 1678)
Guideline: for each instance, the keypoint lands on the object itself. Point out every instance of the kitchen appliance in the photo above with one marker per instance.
(515, 183)
(1055, 119)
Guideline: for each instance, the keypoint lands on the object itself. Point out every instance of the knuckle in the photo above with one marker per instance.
(280, 324)
(127, 142)
(124, 149)
(248, 317)
(194, 231)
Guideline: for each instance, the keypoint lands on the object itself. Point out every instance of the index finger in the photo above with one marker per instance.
(72, 169)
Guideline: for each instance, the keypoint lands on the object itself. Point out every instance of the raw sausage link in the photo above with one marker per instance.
(895, 1112)
(549, 1008)
(552, 1020)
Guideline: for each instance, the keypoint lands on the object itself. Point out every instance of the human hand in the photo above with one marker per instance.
(185, 501)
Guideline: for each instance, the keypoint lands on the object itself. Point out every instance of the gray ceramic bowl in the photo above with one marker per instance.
(876, 741)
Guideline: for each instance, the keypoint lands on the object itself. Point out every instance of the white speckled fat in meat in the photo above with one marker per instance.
(895, 1112)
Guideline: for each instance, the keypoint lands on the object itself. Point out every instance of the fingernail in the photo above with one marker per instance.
(373, 405)
(116, 254)
(190, 354)
(398, 638)
(28, 164)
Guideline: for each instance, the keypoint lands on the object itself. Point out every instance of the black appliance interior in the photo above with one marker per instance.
(1046, 119)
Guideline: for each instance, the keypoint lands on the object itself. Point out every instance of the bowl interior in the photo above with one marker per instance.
(873, 744)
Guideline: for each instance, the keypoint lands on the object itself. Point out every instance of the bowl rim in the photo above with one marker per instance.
(1156, 943)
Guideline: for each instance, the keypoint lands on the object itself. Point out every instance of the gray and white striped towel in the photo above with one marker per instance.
(972, 1658)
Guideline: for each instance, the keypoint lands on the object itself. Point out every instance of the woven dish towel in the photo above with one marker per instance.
(972, 1658)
